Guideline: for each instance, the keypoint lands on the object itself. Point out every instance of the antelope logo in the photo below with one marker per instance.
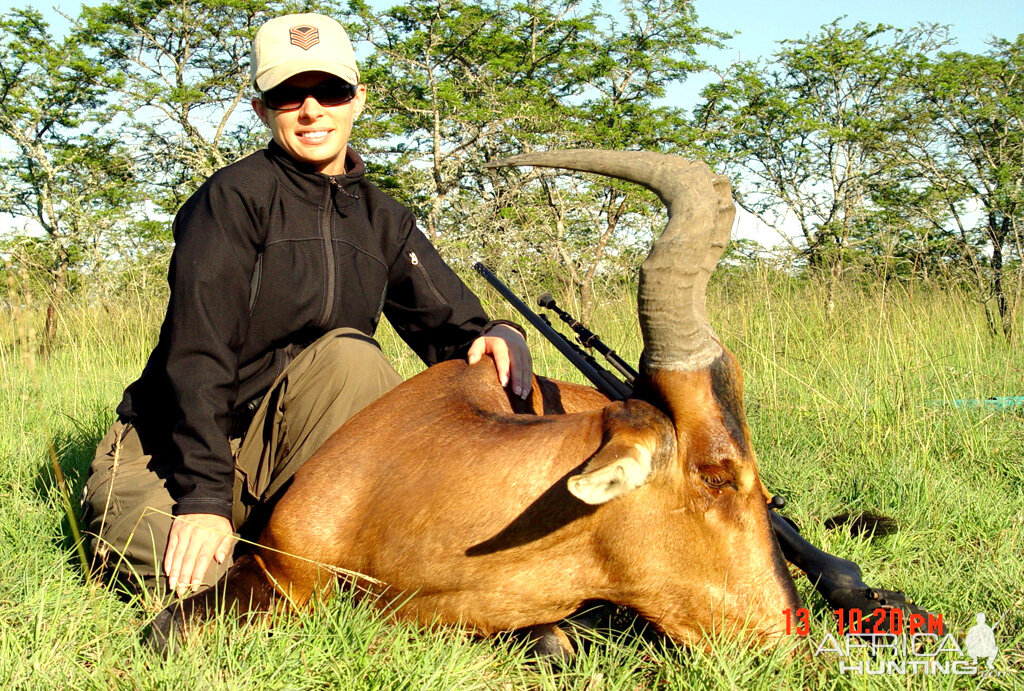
(304, 36)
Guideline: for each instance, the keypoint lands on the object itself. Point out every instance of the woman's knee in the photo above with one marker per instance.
(348, 360)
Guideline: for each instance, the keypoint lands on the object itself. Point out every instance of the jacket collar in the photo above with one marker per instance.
(308, 182)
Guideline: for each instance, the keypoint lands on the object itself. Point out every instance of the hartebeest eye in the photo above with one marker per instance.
(716, 477)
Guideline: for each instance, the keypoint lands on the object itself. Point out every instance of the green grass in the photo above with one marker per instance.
(844, 408)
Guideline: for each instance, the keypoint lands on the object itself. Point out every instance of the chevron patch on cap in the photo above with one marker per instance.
(304, 36)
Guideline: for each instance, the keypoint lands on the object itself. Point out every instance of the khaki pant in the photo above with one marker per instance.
(127, 505)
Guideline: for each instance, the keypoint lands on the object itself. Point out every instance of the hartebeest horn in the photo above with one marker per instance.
(674, 277)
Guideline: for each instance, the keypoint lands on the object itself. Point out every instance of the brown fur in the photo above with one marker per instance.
(459, 504)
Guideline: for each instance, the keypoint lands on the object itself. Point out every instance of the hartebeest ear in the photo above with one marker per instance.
(618, 467)
(637, 437)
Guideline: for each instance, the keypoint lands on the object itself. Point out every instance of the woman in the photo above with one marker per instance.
(283, 264)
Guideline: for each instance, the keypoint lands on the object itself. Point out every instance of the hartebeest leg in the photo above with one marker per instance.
(547, 642)
(244, 589)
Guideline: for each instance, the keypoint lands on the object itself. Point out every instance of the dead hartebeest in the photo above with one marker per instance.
(470, 508)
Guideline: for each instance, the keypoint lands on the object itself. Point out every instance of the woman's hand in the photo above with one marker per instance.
(195, 540)
(511, 357)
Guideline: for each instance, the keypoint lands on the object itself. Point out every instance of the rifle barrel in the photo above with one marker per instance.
(608, 385)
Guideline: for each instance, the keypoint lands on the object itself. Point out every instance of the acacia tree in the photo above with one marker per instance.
(68, 184)
(454, 84)
(185, 91)
(964, 170)
(805, 130)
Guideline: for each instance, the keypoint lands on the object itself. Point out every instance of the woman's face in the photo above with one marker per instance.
(314, 133)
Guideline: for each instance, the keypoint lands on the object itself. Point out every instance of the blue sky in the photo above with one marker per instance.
(763, 23)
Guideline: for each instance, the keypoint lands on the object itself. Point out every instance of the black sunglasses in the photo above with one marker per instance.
(333, 92)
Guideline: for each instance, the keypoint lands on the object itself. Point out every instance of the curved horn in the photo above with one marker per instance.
(674, 277)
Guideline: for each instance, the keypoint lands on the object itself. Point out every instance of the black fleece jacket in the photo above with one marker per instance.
(270, 255)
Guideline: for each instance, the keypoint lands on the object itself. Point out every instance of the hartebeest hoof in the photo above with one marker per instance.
(166, 630)
(547, 642)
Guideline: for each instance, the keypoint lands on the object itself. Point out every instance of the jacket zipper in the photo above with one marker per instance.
(325, 232)
(415, 261)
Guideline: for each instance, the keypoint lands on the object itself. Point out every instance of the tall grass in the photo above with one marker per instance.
(847, 407)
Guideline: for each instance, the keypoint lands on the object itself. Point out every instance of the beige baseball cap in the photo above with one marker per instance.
(294, 43)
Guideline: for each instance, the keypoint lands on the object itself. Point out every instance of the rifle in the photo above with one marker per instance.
(838, 580)
(602, 379)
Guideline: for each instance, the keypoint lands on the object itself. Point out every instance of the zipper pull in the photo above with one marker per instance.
(414, 259)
